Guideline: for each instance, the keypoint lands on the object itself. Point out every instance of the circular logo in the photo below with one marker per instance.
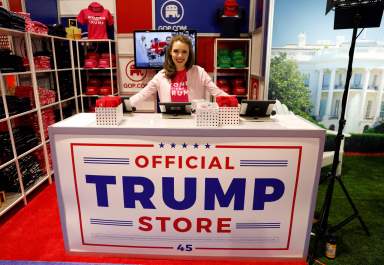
(172, 11)
(134, 74)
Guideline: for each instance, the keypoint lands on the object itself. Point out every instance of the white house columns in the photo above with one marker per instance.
(330, 93)
(318, 92)
(364, 93)
(380, 95)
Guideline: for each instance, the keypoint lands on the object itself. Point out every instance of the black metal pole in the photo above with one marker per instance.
(323, 222)
(339, 137)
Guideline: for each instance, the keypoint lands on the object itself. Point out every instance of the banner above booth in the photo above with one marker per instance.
(200, 15)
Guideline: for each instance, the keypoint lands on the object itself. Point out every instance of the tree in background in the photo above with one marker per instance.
(287, 85)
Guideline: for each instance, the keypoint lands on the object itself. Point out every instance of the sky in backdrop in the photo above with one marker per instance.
(292, 17)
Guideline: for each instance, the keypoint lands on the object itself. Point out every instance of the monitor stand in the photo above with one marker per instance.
(176, 116)
(255, 119)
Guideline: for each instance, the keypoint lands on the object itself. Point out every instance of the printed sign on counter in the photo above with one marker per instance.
(196, 196)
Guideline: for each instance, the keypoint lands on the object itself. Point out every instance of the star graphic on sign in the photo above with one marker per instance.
(196, 145)
(207, 146)
(185, 145)
(173, 145)
(161, 145)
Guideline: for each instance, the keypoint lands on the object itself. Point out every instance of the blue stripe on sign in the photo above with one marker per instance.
(245, 160)
(108, 158)
(266, 163)
(263, 165)
(115, 222)
(97, 219)
(258, 223)
(269, 162)
(260, 227)
(108, 163)
(111, 224)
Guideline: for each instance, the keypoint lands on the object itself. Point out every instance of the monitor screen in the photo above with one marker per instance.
(176, 108)
(257, 108)
(150, 46)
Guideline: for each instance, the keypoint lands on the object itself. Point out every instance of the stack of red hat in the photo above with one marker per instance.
(239, 87)
(106, 87)
(105, 60)
(108, 102)
(227, 101)
(93, 86)
(223, 84)
(91, 60)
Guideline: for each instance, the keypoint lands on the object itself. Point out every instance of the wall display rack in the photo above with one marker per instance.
(97, 70)
(232, 66)
(37, 89)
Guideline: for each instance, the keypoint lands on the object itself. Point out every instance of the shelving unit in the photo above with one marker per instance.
(232, 72)
(27, 112)
(106, 76)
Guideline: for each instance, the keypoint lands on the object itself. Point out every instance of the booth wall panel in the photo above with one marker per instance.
(125, 44)
(205, 52)
(133, 15)
(15, 5)
(70, 8)
(44, 11)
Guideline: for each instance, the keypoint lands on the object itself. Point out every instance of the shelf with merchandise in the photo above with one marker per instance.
(231, 66)
(37, 91)
(97, 71)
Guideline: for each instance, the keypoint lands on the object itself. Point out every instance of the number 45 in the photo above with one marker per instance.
(186, 247)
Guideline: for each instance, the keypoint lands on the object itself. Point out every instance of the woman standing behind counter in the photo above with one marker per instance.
(180, 80)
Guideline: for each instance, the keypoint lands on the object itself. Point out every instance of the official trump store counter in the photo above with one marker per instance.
(152, 186)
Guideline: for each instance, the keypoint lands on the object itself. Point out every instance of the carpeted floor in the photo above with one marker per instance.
(23, 262)
(33, 233)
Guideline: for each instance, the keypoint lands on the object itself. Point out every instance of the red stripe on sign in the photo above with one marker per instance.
(114, 145)
(77, 192)
(258, 146)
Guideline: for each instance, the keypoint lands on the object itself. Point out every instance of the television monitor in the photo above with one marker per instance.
(176, 109)
(255, 109)
(150, 46)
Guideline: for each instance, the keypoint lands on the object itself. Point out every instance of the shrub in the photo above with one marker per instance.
(365, 143)
(377, 129)
(329, 144)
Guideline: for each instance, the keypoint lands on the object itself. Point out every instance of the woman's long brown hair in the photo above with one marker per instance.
(169, 65)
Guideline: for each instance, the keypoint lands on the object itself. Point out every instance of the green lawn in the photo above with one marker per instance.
(364, 178)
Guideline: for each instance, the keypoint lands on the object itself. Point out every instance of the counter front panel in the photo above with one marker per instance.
(248, 196)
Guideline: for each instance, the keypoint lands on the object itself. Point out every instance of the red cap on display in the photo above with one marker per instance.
(110, 101)
(227, 101)
(231, 8)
